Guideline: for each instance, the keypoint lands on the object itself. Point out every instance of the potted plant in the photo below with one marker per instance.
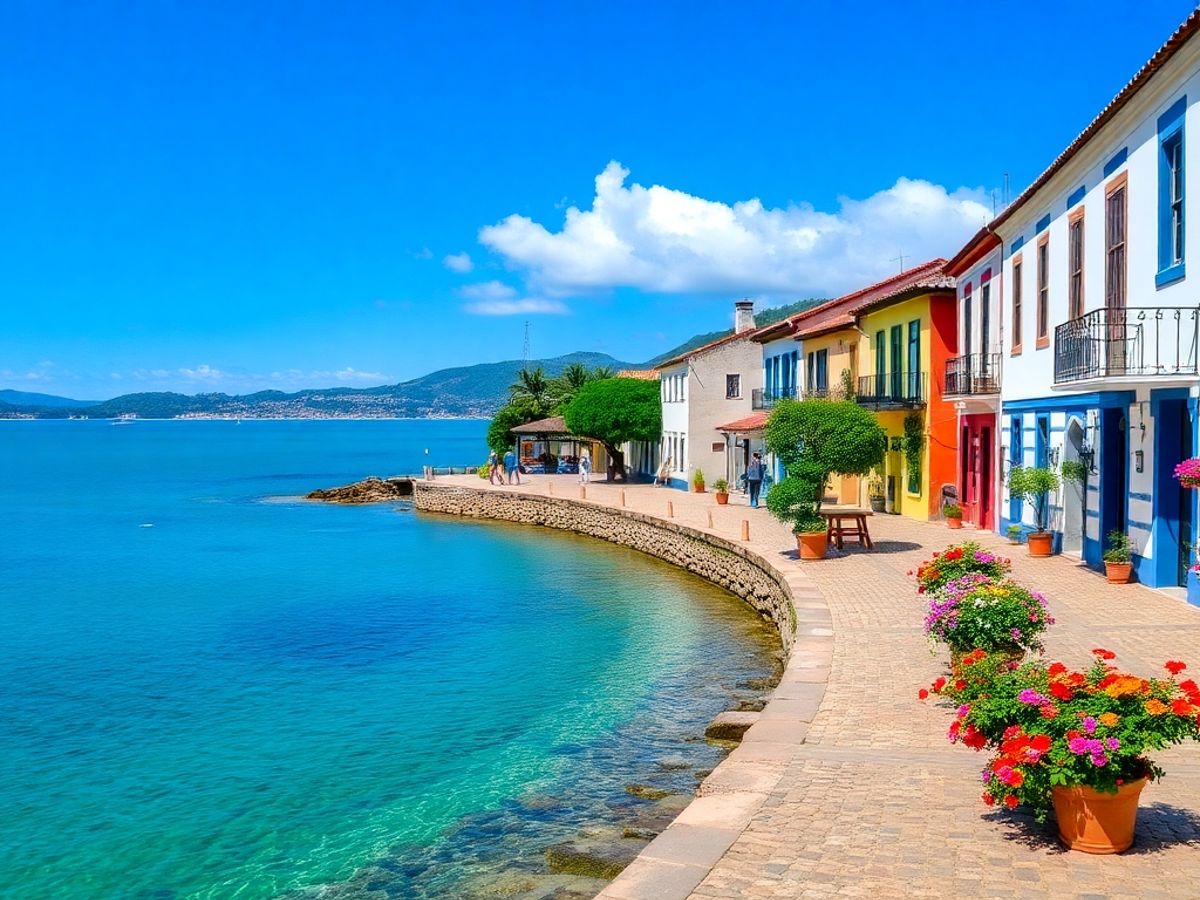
(1188, 473)
(955, 561)
(953, 514)
(1014, 533)
(721, 491)
(698, 481)
(815, 439)
(875, 493)
(1034, 486)
(1074, 742)
(796, 500)
(975, 612)
(1117, 564)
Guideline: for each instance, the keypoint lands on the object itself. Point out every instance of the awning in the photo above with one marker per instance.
(754, 422)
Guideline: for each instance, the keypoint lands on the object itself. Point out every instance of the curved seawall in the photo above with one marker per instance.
(675, 863)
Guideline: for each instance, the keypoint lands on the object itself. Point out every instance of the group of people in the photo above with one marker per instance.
(755, 472)
(511, 468)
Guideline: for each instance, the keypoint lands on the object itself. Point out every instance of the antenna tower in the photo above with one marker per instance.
(525, 349)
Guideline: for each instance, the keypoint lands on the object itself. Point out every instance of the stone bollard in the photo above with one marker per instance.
(550, 488)
(710, 524)
(622, 498)
(670, 510)
(745, 529)
(582, 492)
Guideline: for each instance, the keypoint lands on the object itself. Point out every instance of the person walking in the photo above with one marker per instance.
(754, 478)
(495, 476)
(511, 467)
(664, 472)
(585, 466)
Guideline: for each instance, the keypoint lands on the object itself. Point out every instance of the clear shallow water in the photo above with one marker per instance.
(210, 690)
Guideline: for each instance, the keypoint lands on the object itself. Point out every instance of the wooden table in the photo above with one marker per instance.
(836, 529)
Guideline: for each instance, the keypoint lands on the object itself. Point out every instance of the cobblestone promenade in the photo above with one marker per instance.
(875, 802)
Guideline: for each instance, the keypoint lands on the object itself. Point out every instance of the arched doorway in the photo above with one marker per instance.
(1074, 493)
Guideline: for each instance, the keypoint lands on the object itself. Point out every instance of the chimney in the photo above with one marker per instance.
(743, 316)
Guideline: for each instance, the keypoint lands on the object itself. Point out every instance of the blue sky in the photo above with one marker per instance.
(231, 196)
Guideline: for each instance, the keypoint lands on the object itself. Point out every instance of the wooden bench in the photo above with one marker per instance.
(836, 528)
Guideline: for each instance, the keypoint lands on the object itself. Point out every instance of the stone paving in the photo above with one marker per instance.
(874, 801)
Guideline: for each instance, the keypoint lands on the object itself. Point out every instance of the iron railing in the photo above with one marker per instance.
(1134, 341)
(898, 389)
(975, 373)
(761, 398)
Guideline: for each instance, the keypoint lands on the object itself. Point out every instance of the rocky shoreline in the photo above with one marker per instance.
(370, 490)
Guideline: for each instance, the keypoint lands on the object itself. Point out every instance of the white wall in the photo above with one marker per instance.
(708, 407)
(674, 413)
(974, 278)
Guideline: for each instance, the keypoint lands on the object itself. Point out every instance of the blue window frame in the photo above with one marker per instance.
(795, 373)
(1171, 185)
(785, 376)
(769, 375)
(1041, 442)
(1016, 457)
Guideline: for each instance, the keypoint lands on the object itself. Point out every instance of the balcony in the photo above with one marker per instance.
(1132, 343)
(893, 390)
(976, 374)
(761, 398)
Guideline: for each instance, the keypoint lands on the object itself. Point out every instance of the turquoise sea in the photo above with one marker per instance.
(210, 688)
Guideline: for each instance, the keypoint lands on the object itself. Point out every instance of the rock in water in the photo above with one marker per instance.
(369, 490)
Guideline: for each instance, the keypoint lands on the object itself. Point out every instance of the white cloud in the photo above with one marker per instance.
(200, 373)
(458, 262)
(664, 240)
(494, 298)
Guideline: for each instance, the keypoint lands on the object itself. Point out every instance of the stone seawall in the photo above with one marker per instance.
(737, 569)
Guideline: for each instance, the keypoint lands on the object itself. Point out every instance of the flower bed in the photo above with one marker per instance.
(974, 612)
(956, 561)
(1188, 472)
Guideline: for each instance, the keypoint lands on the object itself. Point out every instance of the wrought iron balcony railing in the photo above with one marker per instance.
(1129, 342)
(761, 398)
(896, 389)
(975, 373)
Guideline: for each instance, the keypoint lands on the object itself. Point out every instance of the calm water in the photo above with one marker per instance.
(211, 689)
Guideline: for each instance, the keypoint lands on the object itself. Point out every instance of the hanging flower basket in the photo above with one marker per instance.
(1188, 472)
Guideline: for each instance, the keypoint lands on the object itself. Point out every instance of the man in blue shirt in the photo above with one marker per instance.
(754, 478)
(511, 467)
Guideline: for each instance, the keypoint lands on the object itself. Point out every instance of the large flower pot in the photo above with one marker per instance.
(1040, 543)
(954, 522)
(878, 504)
(1118, 573)
(813, 545)
(698, 488)
(722, 497)
(1095, 822)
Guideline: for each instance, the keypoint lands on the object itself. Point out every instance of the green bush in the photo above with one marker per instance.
(1034, 485)
(1118, 547)
(721, 486)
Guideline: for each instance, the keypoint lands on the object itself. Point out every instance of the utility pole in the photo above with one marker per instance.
(525, 349)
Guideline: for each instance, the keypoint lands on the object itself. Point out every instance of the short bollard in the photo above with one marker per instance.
(745, 529)
(670, 510)
(550, 488)
(582, 492)
(710, 525)
(622, 497)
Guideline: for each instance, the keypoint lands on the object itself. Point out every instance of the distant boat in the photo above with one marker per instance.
(124, 419)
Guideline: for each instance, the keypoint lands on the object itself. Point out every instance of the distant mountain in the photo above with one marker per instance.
(25, 398)
(765, 317)
(462, 392)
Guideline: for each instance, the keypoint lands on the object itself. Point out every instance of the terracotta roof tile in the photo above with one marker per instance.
(753, 422)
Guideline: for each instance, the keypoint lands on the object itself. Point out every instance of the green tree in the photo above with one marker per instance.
(613, 411)
(531, 391)
(499, 436)
(1034, 486)
(815, 439)
(564, 388)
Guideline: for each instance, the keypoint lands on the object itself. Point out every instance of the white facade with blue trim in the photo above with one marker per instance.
(1100, 323)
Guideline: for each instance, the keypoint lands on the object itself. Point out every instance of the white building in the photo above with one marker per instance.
(703, 389)
(1099, 326)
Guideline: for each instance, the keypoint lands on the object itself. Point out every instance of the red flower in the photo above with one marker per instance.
(1189, 687)
(1056, 668)
(974, 739)
(1011, 801)
(1104, 654)
(938, 685)
(1041, 743)
(1181, 708)
(1061, 691)
(922, 694)
(989, 799)
(960, 685)
(1174, 666)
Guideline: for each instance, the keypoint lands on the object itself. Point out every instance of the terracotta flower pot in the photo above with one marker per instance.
(1094, 822)
(1039, 543)
(1118, 573)
(812, 545)
(954, 522)
(698, 488)
(722, 497)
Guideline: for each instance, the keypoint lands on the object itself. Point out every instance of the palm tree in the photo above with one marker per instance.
(532, 390)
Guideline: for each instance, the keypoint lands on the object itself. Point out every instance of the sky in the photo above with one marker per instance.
(231, 196)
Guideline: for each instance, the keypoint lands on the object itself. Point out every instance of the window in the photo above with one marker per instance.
(914, 359)
(795, 373)
(968, 298)
(1075, 266)
(768, 385)
(880, 361)
(785, 375)
(1043, 292)
(1016, 457)
(1016, 309)
(810, 373)
(897, 372)
(1170, 193)
(1041, 442)
(1114, 242)
(733, 387)
(822, 372)
(985, 317)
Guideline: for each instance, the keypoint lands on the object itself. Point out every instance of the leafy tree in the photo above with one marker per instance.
(616, 410)
(1034, 485)
(816, 439)
(531, 391)
(571, 379)
(499, 435)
